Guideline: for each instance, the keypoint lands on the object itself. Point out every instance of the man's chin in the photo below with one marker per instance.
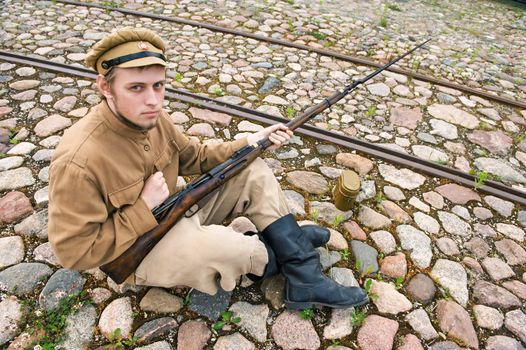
(150, 125)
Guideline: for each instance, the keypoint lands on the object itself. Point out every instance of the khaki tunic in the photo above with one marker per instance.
(97, 174)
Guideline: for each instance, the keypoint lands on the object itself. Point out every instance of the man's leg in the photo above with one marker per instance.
(260, 197)
(200, 256)
(254, 192)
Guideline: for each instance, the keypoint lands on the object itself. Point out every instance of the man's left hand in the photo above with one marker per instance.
(278, 134)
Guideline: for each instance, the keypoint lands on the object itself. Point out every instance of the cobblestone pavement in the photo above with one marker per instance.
(444, 264)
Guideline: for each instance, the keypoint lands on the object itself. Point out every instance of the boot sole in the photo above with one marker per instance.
(300, 305)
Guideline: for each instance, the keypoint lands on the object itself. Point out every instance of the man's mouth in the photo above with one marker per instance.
(151, 114)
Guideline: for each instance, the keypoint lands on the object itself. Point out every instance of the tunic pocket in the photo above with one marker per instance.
(127, 195)
(166, 156)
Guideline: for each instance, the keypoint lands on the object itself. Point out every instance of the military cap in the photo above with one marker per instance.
(125, 48)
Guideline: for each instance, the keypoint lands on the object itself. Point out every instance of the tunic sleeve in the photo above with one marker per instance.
(196, 158)
(82, 233)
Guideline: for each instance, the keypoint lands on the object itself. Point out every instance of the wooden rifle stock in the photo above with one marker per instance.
(175, 207)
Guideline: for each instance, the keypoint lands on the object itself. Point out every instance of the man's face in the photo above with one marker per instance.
(137, 94)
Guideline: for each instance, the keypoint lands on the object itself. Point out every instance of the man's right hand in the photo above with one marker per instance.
(155, 190)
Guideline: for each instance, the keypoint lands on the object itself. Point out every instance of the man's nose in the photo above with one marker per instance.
(151, 97)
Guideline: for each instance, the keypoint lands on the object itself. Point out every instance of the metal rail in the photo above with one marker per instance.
(420, 165)
(329, 53)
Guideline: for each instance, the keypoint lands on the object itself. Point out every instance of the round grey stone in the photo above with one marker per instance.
(11, 251)
(482, 213)
(447, 246)
(501, 342)
(384, 240)
(42, 195)
(462, 212)
(34, 225)
(394, 193)
(444, 129)
(23, 278)
(367, 190)
(80, 327)
(155, 328)
(343, 276)
(326, 149)
(417, 242)
(426, 222)
(419, 321)
(11, 162)
(488, 317)
(404, 178)
(63, 283)
(425, 137)
(10, 316)
(503, 207)
(16, 178)
(233, 342)
(515, 322)
(453, 224)
(118, 314)
(269, 84)
(159, 300)
(328, 257)
(295, 202)
(445, 345)
(452, 276)
(478, 246)
(431, 154)
(209, 306)
(253, 319)
(500, 168)
(365, 257)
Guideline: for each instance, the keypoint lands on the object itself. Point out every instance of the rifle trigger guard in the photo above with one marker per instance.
(327, 102)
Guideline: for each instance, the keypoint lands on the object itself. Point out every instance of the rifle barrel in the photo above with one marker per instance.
(333, 99)
(387, 65)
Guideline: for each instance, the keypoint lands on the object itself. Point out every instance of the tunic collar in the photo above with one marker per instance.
(120, 126)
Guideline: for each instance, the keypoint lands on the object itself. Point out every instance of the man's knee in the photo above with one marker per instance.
(260, 170)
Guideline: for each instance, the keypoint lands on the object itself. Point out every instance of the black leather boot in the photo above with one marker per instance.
(317, 235)
(305, 284)
(272, 267)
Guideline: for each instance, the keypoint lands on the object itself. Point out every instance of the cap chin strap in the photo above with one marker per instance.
(133, 56)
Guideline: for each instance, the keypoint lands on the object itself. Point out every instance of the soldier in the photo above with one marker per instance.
(122, 159)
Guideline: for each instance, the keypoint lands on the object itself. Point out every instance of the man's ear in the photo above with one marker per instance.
(103, 86)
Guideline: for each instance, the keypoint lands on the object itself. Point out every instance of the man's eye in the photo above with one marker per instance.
(158, 85)
(136, 88)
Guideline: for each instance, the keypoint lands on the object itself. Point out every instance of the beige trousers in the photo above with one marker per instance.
(199, 252)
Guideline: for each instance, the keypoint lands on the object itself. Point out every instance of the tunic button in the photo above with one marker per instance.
(146, 148)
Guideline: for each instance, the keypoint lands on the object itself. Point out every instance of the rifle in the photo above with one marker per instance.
(188, 201)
